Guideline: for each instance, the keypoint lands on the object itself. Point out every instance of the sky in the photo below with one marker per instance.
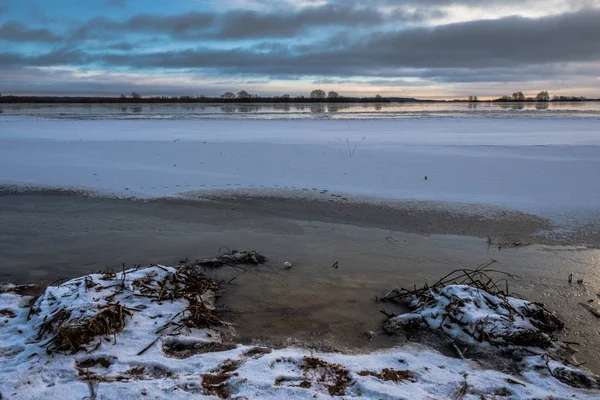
(411, 48)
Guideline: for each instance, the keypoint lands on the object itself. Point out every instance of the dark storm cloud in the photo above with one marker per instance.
(57, 57)
(123, 46)
(508, 42)
(486, 50)
(243, 24)
(239, 24)
(17, 32)
(179, 26)
(511, 41)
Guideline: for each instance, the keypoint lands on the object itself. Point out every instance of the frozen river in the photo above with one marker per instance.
(546, 163)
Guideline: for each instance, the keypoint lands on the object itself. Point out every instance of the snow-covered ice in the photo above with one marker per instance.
(545, 167)
(114, 368)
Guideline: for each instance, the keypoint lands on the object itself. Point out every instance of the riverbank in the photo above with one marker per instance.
(55, 234)
(84, 338)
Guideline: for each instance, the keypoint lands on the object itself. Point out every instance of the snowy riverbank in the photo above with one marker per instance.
(145, 332)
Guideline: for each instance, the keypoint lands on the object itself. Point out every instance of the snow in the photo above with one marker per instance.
(115, 370)
(546, 167)
(474, 316)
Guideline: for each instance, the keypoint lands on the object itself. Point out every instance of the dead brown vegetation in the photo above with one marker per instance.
(389, 374)
(185, 349)
(232, 258)
(257, 352)
(187, 283)
(6, 313)
(72, 335)
(104, 362)
(215, 383)
(332, 376)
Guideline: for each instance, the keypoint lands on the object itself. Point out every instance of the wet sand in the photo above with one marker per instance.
(47, 235)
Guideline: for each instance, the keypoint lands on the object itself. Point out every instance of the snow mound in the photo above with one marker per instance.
(475, 316)
(69, 317)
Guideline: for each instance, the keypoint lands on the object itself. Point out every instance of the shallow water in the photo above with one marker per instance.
(304, 111)
(323, 306)
(46, 237)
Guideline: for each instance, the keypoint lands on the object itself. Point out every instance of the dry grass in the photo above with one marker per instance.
(72, 335)
(478, 278)
(215, 383)
(333, 376)
(184, 349)
(187, 283)
(6, 313)
(389, 374)
(104, 362)
(257, 352)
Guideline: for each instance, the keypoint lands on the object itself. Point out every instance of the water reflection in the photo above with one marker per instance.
(317, 108)
(309, 110)
(542, 106)
(513, 106)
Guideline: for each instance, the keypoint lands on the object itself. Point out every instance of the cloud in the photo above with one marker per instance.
(179, 26)
(348, 42)
(243, 24)
(15, 31)
(512, 43)
(64, 56)
(63, 81)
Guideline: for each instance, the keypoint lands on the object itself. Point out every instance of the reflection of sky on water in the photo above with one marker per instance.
(305, 111)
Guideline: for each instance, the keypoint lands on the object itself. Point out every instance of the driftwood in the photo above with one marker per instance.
(478, 278)
(231, 258)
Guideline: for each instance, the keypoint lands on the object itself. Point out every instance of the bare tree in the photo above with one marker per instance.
(543, 96)
(228, 95)
(333, 95)
(285, 96)
(136, 96)
(378, 97)
(317, 94)
(244, 95)
(518, 96)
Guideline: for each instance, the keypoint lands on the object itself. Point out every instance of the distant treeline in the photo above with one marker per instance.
(316, 96)
(191, 99)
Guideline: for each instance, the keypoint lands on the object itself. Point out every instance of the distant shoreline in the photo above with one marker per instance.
(259, 100)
